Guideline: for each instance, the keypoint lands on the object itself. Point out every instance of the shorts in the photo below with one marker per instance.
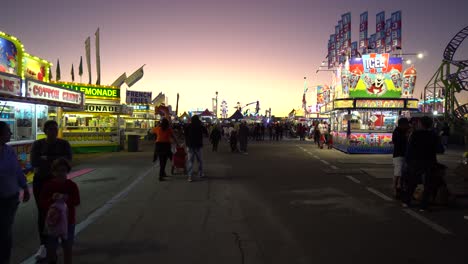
(53, 242)
(398, 166)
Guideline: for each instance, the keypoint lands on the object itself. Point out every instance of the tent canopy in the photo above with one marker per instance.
(237, 115)
(206, 113)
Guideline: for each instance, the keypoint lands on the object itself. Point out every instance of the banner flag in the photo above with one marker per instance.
(88, 57)
(372, 43)
(332, 56)
(135, 77)
(72, 74)
(80, 68)
(380, 32)
(98, 59)
(388, 35)
(57, 71)
(354, 49)
(337, 43)
(119, 81)
(396, 30)
(340, 51)
(363, 41)
(346, 22)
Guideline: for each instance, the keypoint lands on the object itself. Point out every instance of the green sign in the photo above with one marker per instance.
(94, 91)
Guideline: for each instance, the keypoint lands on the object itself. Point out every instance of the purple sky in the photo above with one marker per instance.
(246, 50)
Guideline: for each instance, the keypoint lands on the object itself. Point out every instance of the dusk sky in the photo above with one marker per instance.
(246, 50)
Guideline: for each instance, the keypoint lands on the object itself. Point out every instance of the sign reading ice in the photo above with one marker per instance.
(374, 63)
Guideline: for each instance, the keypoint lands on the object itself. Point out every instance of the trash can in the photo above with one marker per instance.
(133, 143)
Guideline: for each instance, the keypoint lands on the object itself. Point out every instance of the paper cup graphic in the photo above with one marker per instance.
(395, 75)
(345, 81)
(354, 78)
(409, 81)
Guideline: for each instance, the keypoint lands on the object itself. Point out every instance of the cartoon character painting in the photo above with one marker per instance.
(395, 75)
(409, 81)
(378, 86)
(8, 56)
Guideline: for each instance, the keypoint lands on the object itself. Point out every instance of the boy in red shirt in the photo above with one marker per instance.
(59, 187)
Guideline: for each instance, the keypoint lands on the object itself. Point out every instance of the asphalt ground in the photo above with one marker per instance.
(284, 202)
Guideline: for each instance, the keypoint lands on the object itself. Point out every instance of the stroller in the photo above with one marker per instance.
(179, 160)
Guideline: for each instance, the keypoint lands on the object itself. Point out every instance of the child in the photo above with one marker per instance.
(330, 141)
(58, 189)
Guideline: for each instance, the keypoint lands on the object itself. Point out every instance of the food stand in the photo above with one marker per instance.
(96, 128)
(367, 103)
(27, 100)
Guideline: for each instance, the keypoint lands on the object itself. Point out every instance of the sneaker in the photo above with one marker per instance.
(404, 205)
(202, 175)
(41, 253)
(190, 179)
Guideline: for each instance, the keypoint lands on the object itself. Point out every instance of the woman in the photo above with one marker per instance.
(11, 180)
(215, 137)
(164, 135)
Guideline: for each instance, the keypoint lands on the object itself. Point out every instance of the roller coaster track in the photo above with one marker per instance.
(452, 47)
(459, 80)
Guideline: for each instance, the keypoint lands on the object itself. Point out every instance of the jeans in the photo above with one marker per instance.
(164, 152)
(215, 145)
(8, 207)
(195, 153)
(41, 213)
(418, 172)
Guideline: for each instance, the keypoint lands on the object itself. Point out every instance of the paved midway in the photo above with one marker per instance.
(285, 202)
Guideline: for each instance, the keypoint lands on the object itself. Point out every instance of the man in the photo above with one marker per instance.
(243, 138)
(445, 135)
(43, 154)
(12, 179)
(421, 160)
(400, 142)
(194, 140)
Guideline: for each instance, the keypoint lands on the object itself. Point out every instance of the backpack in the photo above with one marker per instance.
(56, 222)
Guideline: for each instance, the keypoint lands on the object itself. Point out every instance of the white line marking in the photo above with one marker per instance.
(325, 162)
(102, 210)
(316, 157)
(428, 222)
(353, 179)
(379, 194)
(334, 167)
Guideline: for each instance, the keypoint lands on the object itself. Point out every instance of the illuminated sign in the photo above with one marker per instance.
(134, 97)
(92, 91)
(343, 104)
(103, 108)
(10, 85)
(8, 56)
(37, 90)
(374, 76)
(140, 107)
(380, 103)
(35, 68)
(412, 104)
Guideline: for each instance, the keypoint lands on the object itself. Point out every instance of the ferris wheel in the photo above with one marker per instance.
(224, 109)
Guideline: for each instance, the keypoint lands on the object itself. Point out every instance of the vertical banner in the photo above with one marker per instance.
(98, 59)
(340, 51)
(337, 44)
(88, 57)
(380, 32)
(363, 42)
(354, 49)
(346, 21)
(396, 30)
(332, 56)
(388, 35)
(372, 43)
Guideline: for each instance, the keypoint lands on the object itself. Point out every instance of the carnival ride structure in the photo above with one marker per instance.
(450, 79)
(246, 111)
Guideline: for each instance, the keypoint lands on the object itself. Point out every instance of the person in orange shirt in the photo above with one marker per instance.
(164, 135)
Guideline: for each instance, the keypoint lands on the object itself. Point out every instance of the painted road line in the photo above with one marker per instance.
(466, 217)
(379, 194)
(428, 222)
(334, 167)
(102, 210)
(315, 156)
(325, 162)
(353, 179)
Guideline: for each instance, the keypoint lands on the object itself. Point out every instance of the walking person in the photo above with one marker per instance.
(421, 160)
(43, 153)
(243, 138)
(194, 141)
(62, 196)
(400, 143)
(164, 135)
(445, 133)
(215, 137)
(12, 180)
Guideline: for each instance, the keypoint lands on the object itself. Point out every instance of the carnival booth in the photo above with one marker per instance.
(98, 127)
(143, 117)
(26, 99)
(207, 116)
(368, 101)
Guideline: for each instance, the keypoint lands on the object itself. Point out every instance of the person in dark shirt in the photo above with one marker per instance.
(215, 137)
(43, 153)
(421, 159)
(194, 140)
(400, 143)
